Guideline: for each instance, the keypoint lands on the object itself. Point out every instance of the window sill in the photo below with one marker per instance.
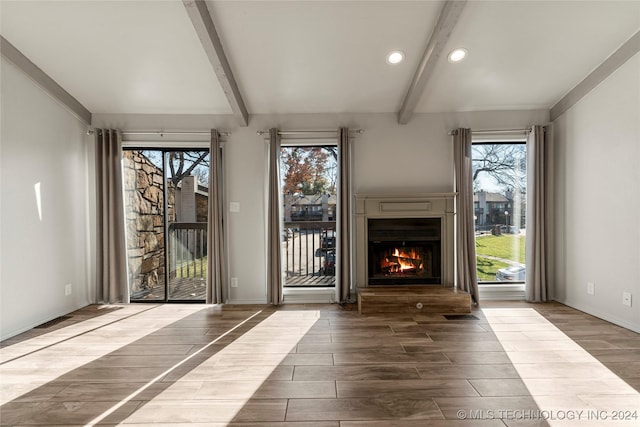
(501, 292)
(308, 295)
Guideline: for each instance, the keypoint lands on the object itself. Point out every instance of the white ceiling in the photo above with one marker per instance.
(325, 56)
(527, 54)
(118, 56)
(315, 56)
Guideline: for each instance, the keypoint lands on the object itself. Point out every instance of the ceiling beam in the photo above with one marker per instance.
(42, 79)
(203, 24)
(449, 16)
(630, 48)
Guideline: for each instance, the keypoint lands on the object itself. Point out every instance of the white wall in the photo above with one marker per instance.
(598, 199)
(41, 142)
(413, 157)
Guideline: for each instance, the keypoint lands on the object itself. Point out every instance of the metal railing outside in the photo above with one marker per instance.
(309, 251)
(187, 250)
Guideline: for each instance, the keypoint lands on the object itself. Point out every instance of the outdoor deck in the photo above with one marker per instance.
(189, 289)
(310, 281)
(195, 289)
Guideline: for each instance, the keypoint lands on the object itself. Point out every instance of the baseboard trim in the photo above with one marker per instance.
(247, 301)
(604, 316)
(44, 319)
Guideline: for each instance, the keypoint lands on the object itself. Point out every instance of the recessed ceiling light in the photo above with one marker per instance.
(457, 55)
(395, 57)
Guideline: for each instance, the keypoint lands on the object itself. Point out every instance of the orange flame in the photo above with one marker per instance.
(404, 260)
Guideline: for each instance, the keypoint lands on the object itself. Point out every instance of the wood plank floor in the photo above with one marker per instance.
(515, 364)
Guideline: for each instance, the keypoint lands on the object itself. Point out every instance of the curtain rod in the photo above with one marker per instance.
(162, 133)
(297, 132)
(453, 132)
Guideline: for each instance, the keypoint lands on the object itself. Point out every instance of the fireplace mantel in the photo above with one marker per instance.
(420, 205)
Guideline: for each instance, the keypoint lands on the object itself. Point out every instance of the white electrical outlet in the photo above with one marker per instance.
(68, 289)
(234, 206)
(234, 282)
(591, 288)
(626, 299)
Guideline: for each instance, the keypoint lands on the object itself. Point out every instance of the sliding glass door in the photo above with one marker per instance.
(166, 202)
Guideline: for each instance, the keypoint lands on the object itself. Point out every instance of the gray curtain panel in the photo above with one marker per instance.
(215, 236)
(539, 243)
(343, 291)
(112, 286)
(274, 236)
(465, 232)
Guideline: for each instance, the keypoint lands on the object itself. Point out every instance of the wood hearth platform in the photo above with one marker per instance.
(406, 299)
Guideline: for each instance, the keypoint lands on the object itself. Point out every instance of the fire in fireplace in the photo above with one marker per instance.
(404, 251)
(404, 261)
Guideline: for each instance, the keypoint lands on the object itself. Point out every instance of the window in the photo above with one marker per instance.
(309, 195)
(499, 194)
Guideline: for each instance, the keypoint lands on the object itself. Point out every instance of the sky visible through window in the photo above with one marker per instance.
(182, 162)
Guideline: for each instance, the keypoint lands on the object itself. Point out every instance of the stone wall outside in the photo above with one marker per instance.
(144, 201)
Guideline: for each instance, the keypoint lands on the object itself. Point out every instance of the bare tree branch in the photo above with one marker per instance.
(504, 163)
(199, 160)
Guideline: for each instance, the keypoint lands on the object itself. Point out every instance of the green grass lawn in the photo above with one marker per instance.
(506, 246)
(193, 268)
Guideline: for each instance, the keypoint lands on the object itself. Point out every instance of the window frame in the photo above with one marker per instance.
(317, 294)
(493, 289)
(164, 148)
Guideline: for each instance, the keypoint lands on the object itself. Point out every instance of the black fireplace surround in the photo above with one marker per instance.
(404, 251)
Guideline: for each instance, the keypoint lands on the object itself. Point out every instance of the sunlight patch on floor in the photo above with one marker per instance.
(35, 362)
(217, 390)
(569, 385)
(56, 336)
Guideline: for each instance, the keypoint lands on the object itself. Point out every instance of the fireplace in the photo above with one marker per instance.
(404, 240)
(404, 251)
